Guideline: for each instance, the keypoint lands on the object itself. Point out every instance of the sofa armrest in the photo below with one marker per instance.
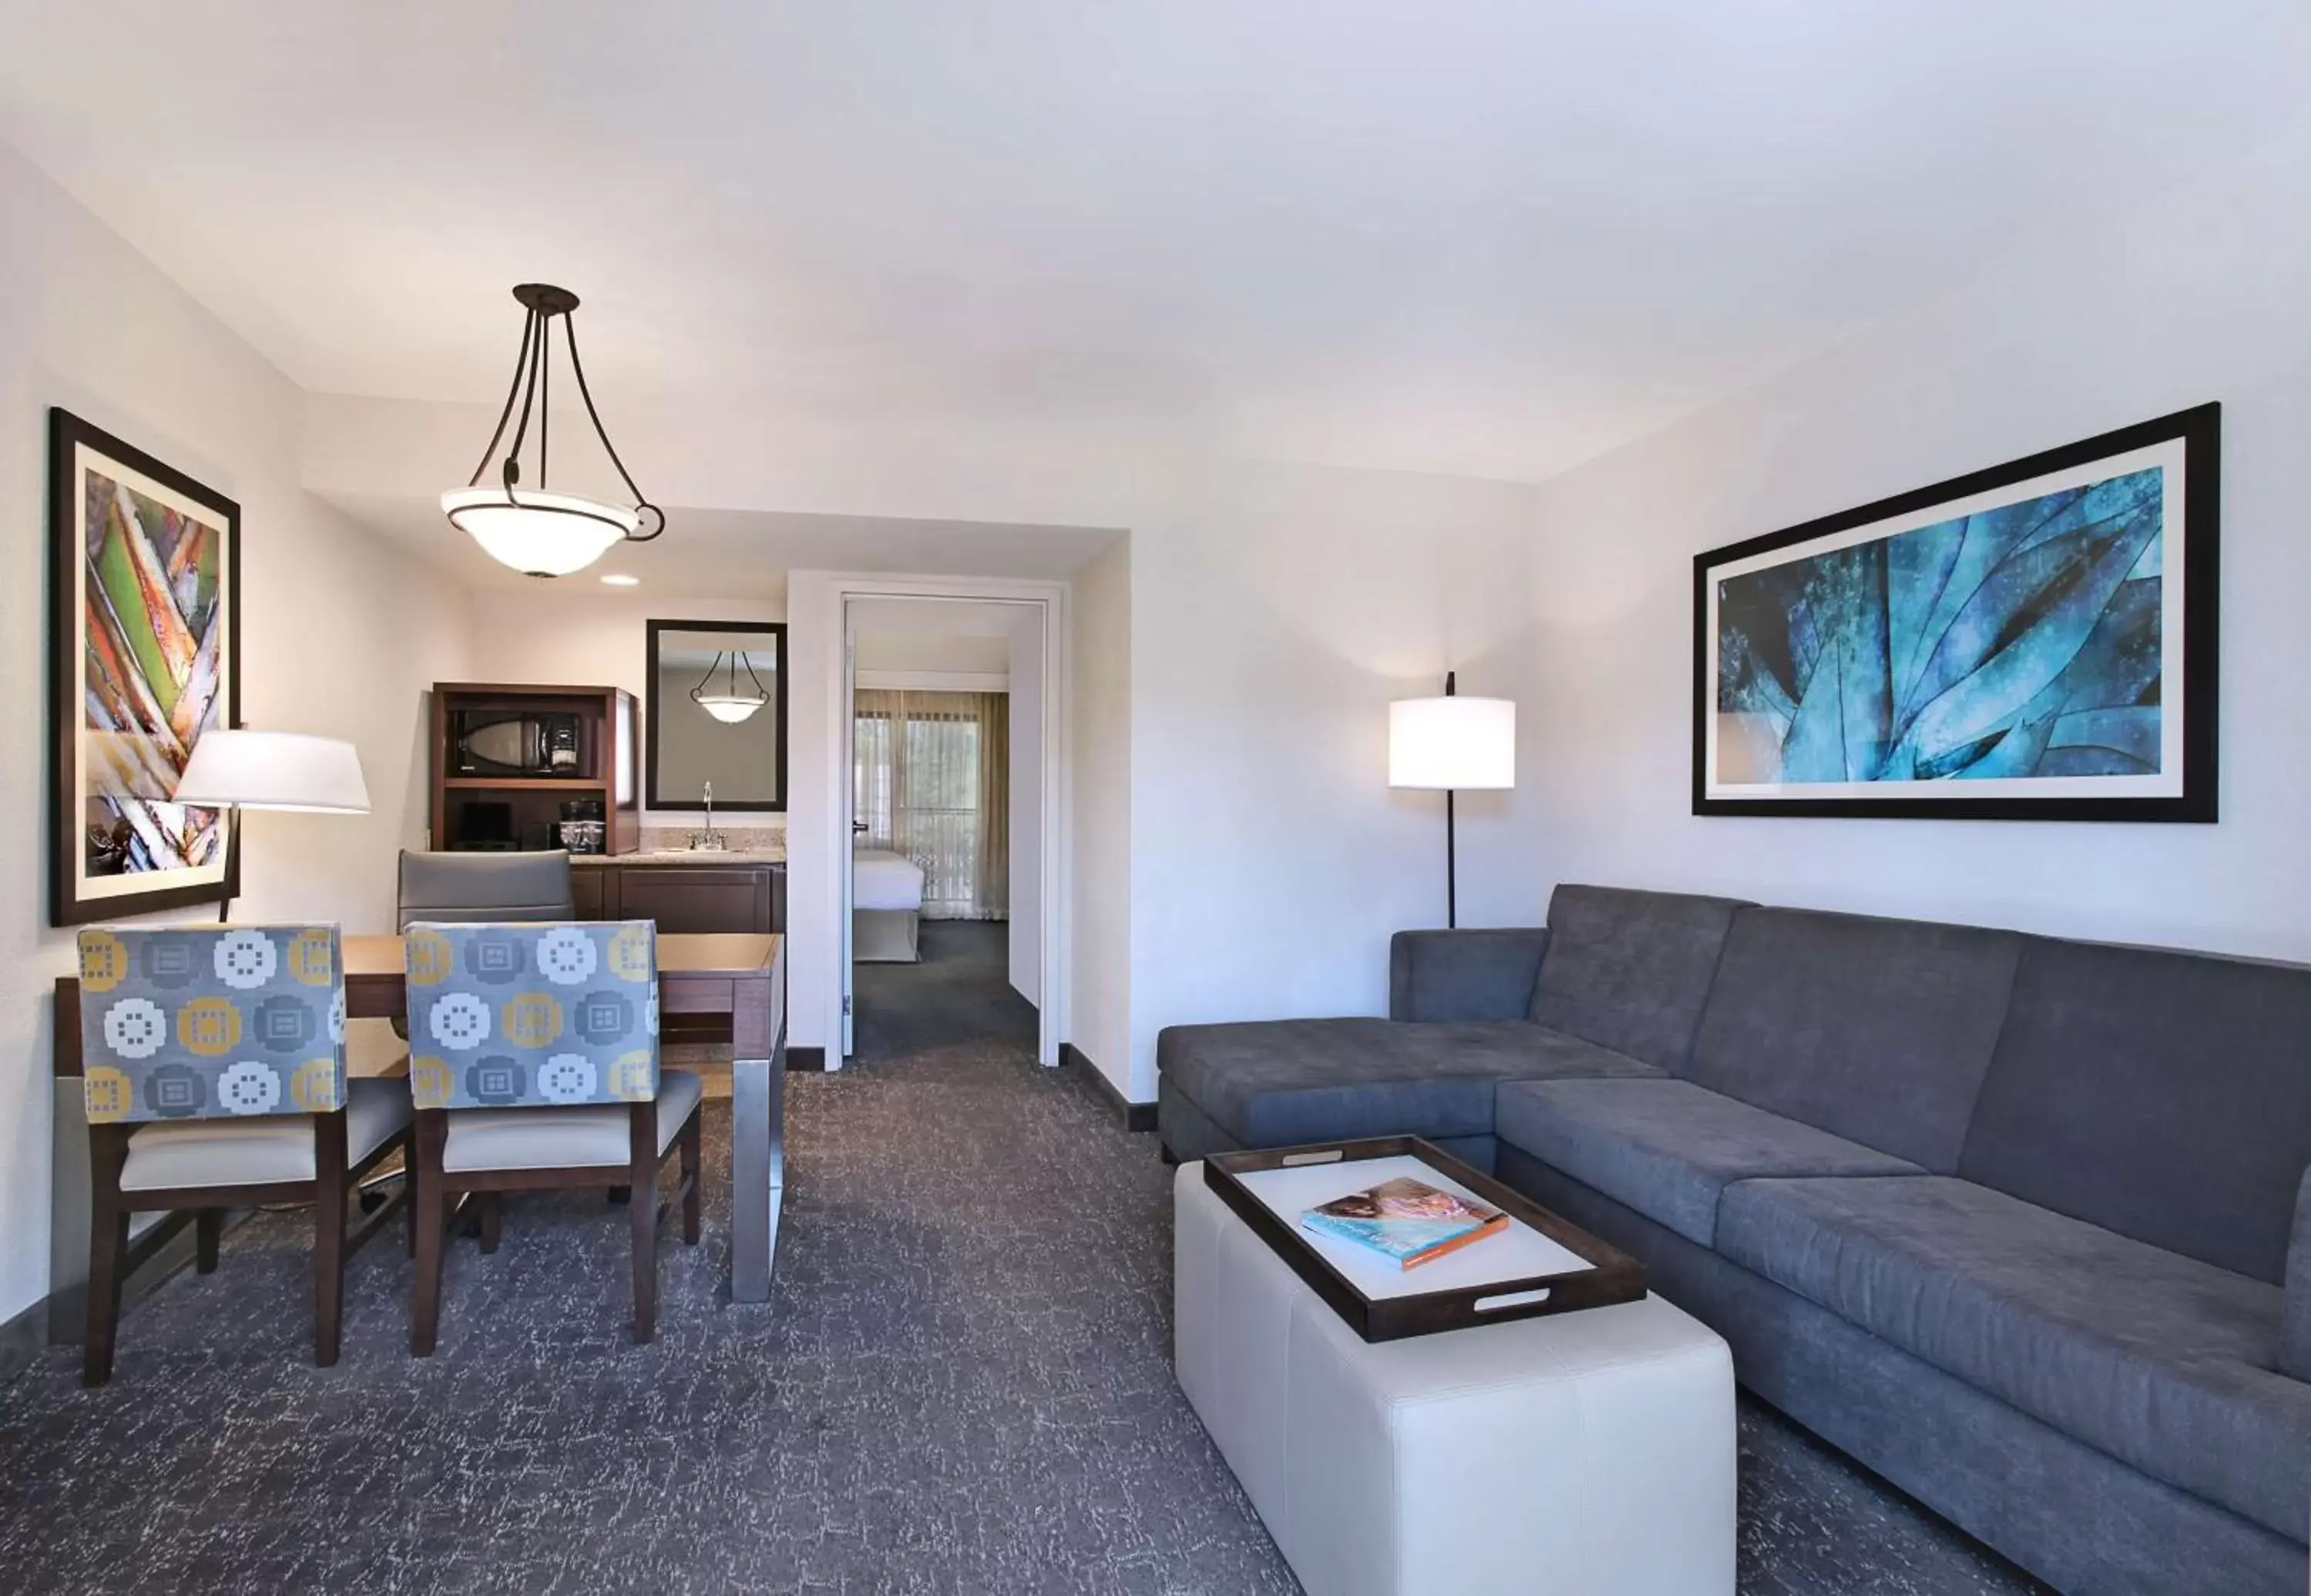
(2295, 1333)
(1464, 975)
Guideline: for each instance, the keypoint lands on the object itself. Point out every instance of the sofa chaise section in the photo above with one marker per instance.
(1615, 989)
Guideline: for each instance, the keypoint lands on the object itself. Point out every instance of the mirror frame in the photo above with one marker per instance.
(776, 629)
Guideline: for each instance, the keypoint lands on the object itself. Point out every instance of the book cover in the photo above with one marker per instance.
(1409, 1221)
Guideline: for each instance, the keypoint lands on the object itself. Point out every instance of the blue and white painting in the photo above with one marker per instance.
(2023, 643)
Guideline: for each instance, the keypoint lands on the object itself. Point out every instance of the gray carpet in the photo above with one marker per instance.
(962, 1386)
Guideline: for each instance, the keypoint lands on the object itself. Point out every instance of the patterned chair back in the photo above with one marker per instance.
(508, 1014)
(179, 1024)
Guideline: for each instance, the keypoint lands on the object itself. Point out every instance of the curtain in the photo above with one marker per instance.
(931, 775)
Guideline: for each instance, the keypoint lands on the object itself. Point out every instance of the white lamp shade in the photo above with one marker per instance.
(273, 770)
(539, 533)
(1465, 744)
(730, 709)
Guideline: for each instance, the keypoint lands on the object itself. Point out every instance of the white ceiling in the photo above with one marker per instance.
(744, 554)
(1483, 236)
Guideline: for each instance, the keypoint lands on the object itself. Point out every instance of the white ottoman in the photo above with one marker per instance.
(1589, 1452)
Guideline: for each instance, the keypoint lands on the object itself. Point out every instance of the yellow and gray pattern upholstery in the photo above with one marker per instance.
(507, 1014)
(215, 1022)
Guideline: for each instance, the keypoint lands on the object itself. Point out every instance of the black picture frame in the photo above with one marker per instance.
(651, 712)
(70, 903)
(2198, 432)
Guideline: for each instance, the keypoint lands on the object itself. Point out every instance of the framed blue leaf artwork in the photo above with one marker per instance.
(2034, 641)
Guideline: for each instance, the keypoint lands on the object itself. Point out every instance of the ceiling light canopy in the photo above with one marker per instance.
(534, 531)
(728, 704)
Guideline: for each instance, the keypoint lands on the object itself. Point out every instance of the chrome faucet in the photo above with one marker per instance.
(710, 839)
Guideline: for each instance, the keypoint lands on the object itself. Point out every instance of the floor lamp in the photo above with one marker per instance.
(1454, 743)
(269, 770)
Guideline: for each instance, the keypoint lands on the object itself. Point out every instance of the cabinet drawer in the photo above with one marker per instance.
(587, 882)
(702, 900)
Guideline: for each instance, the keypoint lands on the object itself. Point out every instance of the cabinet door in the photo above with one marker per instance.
(705, 899)
(587, 891)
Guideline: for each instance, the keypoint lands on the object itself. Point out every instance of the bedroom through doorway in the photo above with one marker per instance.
(946, 743)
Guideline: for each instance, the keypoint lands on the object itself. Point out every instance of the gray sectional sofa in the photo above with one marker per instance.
(2021, 1223)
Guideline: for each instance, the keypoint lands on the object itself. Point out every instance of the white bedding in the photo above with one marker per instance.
(881, 879)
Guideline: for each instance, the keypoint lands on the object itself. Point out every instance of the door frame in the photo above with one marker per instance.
(1051, 598)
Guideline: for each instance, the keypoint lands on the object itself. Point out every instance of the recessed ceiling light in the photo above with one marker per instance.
(619, 578)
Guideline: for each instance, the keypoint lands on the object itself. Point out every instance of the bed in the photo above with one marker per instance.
(886, 907)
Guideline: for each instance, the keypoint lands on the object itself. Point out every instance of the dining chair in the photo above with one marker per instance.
(214, 1075)
(534, 1067)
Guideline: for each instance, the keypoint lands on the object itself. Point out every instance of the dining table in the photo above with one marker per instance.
(739, 976)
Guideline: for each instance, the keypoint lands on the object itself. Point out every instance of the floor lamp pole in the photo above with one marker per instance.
(1452, 868)
(1451, 874)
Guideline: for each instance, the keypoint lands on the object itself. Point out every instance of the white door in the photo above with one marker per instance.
(849, 816)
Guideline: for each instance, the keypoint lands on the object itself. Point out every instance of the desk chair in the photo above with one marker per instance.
(534, 1067)
(214, 1077)
(441, 888)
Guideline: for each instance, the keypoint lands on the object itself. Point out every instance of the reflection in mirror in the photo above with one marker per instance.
(718, 714)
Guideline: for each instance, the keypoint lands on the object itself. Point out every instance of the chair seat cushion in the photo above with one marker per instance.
(1668, 1148)
(1272, 1083)
(259, 1152)
(563, 1138)
(2163, 1362)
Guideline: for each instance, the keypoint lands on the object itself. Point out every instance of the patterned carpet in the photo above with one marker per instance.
(963, 1385)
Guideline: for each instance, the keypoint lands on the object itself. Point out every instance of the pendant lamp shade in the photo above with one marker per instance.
(534, 531)
(1444, 743)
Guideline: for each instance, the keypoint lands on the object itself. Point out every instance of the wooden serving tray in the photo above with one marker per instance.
(1609, 1275)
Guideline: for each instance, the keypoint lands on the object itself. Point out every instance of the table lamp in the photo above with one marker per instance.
(1451, 743)
(270, 769)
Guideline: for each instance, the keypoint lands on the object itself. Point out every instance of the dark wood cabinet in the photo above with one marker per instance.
(684, 898)
(585, 884)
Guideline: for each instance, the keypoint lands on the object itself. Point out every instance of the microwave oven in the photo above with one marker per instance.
(526, 744)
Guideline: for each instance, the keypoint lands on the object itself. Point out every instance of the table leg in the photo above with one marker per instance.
(758, 1098)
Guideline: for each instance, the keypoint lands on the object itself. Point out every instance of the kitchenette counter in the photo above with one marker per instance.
(695, 858)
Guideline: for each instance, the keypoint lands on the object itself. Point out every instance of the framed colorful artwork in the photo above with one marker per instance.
(2034, 641)
(144, 659)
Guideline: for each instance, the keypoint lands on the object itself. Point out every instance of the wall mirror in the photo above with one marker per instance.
(717, 711)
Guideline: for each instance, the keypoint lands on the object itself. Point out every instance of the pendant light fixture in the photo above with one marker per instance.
(537, 532)
(730, 706)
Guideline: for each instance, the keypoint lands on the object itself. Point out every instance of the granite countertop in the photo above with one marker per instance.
(684, 856)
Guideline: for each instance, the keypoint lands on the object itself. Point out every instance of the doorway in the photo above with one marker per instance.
(950, 791)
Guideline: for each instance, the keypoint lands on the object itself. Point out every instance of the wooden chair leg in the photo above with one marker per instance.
(427, 1198)
(329, 1201)
(692, 1203)
(108, 1247)
(641, 1216)
(492, 1207)
(409, 1183)
(208, 1230)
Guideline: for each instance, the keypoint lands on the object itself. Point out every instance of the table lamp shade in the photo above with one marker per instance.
(1448, 743)
(274, 770)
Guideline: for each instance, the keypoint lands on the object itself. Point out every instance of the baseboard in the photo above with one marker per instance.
(59, 1318)
(808, 1059)
(1137, 1117)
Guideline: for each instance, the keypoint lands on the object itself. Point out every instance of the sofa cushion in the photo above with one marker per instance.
(1879, 1030)
(2295, 1351)
(2163, 1096)
(1667, 1149)
(2161, 1361)
(1463, 975)
(1276, 1083)
(1630, 971)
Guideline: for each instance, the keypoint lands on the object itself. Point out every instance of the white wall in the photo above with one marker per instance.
(1275, 612)
(1026, 817)
(2199, 296)
(1099, 815)
(340, 634)
(563, 632)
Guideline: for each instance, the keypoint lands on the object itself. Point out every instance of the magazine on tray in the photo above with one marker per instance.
(1408, 1221)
